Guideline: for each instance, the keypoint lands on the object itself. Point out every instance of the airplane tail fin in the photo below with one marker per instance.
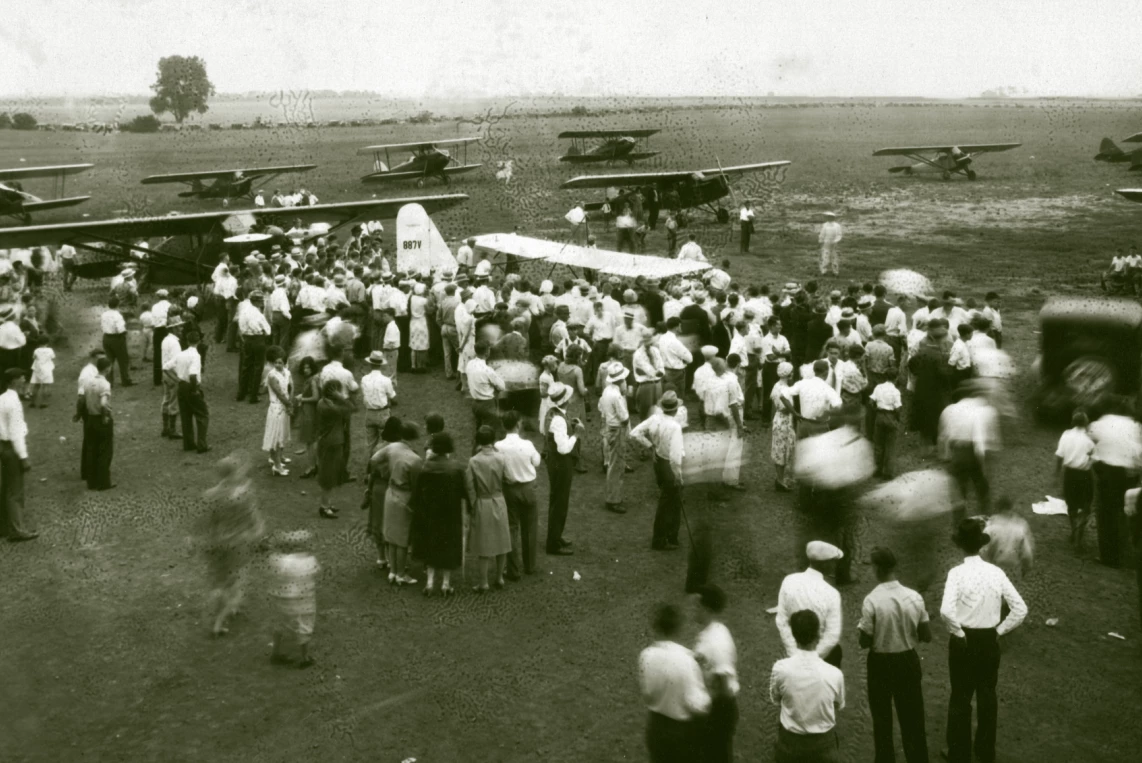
(1107, 150)
(419, 243)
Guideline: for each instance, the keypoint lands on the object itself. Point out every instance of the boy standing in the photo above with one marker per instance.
(1073, 459)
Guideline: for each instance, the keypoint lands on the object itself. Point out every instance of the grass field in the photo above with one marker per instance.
(106, 654)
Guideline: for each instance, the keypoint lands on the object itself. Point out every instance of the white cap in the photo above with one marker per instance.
(820, 551)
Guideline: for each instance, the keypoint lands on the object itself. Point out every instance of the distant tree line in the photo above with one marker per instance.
(21, 120)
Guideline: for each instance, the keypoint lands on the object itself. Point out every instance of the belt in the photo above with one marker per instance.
(514, 484)
(385, 408)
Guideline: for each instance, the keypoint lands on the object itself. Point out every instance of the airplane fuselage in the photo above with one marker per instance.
(427, 163)
(221, 189)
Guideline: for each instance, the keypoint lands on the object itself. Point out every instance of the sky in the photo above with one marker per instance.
(492, 48)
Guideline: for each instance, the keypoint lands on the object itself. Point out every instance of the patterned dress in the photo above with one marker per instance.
(784, 432)
(277, 415)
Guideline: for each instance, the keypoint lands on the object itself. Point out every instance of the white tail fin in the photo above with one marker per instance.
(419, 244)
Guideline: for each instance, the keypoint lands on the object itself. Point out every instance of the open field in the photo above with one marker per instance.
(106, 654)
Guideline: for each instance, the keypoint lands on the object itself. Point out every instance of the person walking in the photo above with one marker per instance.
(14, 461)
(1073, 460)
(662, 434)
(616, 430)
(1117, 444)
(829, 238)
(968, 441)
(97, 394)
(192, 405)
(520, 462)
(489, 537)
(437, 502)
(973, 597)
(810, 692)
(717, 655)
(893, 620)
(115, 341)
(233, 526)
(279, 385)
(809, 590)
(560, 450)
(673, 690)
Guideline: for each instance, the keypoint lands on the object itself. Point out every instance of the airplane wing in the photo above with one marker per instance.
(39, 206)
(1135, 138)
(967, 148)
(608, 133)
(1130, 194)
(646, 178)
(245, 172)
(230, 222)
(422, 145)
(43, 172)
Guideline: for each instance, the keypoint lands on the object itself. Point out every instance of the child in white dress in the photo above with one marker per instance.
(43, 372)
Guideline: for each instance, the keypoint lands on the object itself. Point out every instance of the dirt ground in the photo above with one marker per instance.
(106, 651)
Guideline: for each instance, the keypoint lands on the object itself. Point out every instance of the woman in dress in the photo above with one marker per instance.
(550, 364)
(43, 372)
(488, 536)
(332, 412)
(233, 525)
(308, 393)
(438, 513)
(280, 388)
(404, 465)
(418, 329)
(378, 486)
(783, 435)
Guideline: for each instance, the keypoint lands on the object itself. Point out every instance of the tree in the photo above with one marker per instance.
(181, 87)
(5, 120)
(23, 121)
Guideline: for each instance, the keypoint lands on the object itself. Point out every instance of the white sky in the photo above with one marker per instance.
(433, 48)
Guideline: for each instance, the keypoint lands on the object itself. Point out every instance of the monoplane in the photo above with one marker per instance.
(191, 243)
(947, 160)
(427, 160)
(1109, 152)
(228, 184)
(684, 189)
(616, 146)
(17, 203)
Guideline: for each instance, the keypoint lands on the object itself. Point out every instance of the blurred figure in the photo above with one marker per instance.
(717, 655)
(1012, 547)
(674, 691)
(810, 692)
(294, 570)
(968, 442)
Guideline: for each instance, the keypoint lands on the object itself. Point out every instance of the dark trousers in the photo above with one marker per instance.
(101, 450)
(10, 359)
(115, 345)
(523, 522)
(965, 467)
(11, 493)
(768, 381)
(224, 310)
(250, 368)
(973, 667)
(404, 356)
(559, 474)
(1078, 492)
(1113, 481)
(157, 337)
(195, 415)
(625, 241)
(281, 331)
(486, 413)
(886, 425)
(668, 517)
(84, 452)
(827, 515)
(747, 234)
(671, 741)
(671, 245)
(806, 748)
(718, 730)
(896, 678)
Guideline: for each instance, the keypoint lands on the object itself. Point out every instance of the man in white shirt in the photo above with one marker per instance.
(691, 251)
(260, 199)
(159, 311)
(1073, 462)
(191, 399)
(464, 254)
(951, 311)
(886, 403)
(13, 458)
(577, 218)
(170, 349)
(810, 692)
(66, 254)
(973, 597)
(1117, 447)
(775, 349)
(484, 384)
(717, 655)
(675, 356)
(810, 590)
(745, 216)
(225, 293)
(255, 332)
(280, 313)
(674, 691)
(968, 441)
(520, 462)
(663, 434)
(818, 401)
(378, 394)
(625, 223)
(616, 427)
(991, 312)
(829, 239)
(561, 453)
(896, 325)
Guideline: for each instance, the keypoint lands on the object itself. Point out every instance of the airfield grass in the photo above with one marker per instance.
(106, 653)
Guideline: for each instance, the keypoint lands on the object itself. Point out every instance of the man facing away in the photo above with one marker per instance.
(810, 692)
(673, 690)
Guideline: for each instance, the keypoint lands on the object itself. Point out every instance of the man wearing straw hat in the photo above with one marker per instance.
(159, 311)
(560, 450)
(830, 236)
(663, 435)
(378, 395)
(616, 428)
(171, 347)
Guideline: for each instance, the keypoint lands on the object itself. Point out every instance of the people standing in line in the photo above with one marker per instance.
(279, 385)
(1117, 447)
(674, 692)
(809, 590)
(115, 341)
(43, 373)
(973, 597)
(616, 429)
(404, 466)
(1073, 460)
(893, 621)
(332, 414)
(810, 693)
(489, 537)
(438, 501)
(560, 452)
(14, 461)
(101, 427)
(717, 655)
(662, 434)
(520, 462)
(192, 407)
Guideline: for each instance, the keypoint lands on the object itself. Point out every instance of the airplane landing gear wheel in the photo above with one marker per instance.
(946, 175)
(971, 175)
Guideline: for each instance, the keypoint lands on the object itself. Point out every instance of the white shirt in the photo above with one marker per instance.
(675, 356)
(279, 301)
(464, 255)
(226, 286)
(170, 348)
(576, 216)
(691, 251)
(112, 322)
(809, 590)
(955, 317)
(702, 376)
(886, 397)
(980, 341)
(971, 420)
(973, 595)
(720, 394)
(895, 322)
(86, 374)
(483, 382)
(520, 459)
(745, 215)
(959, 358)
(484, 268)
(558, 431)
(377, 390)
(774, 345)
(11, 337)
(718, 655)
(1117, 441)
(671, 681)
(1075, 449)
(188, 363)
(66, 252)
(831, 233)
(600, 328)
(809, 690)
(251, 320)
(718, 279)
(335, 370)
(613, 406)
(159, 312)
(664, 434)
(817, 397)
(992, 315)
(12, 425)
(647, 364)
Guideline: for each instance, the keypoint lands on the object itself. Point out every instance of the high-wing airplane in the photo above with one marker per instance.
(427, 160)
(17, 203)
(228, 184)
(686, 189)
(191, 243)
(616, 146)
(945, 160)
(1108, 152)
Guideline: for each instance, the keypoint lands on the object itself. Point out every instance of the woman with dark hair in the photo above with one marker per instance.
(332, 412)
(438, 513)
(378, 486)
(404, 465)
(308, 393)
(489, 535)
(279, 385)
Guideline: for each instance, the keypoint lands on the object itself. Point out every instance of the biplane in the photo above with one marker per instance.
(17, 203)
(228, 184)
(616, 146)
(427, 160)
(1109, 152)
(946, 160)
(191, 243)
(685, 189)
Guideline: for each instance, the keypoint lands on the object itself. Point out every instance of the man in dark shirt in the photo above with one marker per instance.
(651, 301)
(880, 307)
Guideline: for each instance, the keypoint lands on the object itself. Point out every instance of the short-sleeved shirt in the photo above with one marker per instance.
(886, 397)
(891, 614)
(1075, 449)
